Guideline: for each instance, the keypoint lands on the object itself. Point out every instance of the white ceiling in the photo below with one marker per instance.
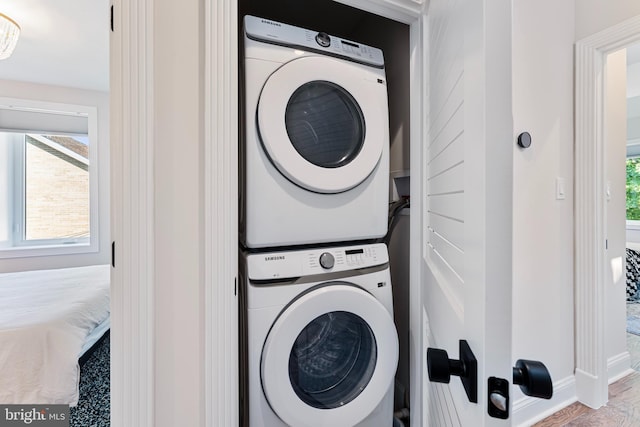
(62, 43)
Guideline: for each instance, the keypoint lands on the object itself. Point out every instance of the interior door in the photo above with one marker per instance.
(465, 209)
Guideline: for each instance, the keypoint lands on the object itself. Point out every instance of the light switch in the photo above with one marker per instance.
(560, 189)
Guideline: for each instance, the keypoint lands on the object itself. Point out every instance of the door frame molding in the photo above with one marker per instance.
(590, 226)
(132, 214)
(220, 252)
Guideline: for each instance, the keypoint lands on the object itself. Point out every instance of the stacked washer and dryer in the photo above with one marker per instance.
(318, 341)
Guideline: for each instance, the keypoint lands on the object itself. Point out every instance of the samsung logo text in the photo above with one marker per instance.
(264, 21)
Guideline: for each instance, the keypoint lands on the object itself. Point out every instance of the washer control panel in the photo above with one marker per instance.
(300, 38)
(291, 264)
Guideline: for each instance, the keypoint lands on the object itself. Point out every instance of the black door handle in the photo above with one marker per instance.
(533, 378)
(440, 368)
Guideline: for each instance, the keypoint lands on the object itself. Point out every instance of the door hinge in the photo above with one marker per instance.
(113, 254)
(111, 18)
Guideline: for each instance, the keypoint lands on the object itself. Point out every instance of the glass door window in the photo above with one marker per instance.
(325, 124)
(332, 360)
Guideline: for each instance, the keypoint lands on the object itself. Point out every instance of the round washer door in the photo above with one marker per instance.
(330, 357)
(323, 123)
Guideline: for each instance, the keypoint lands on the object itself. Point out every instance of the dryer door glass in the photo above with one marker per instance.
(325, 124)
(332, 360)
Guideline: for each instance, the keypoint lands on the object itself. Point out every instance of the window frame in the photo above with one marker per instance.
(49, 247)
(632, 224)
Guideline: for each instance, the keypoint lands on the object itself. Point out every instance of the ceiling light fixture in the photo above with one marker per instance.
(9, 33)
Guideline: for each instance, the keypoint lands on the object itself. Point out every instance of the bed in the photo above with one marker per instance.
(48, 319)
(633, 271)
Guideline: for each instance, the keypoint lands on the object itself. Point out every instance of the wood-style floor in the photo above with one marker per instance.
(623, 408)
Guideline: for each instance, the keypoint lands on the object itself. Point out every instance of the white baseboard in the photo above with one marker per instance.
(529, 410)
(618, 366)
(589, 390)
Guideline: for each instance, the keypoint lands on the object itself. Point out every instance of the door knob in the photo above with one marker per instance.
(533, 378)
(440, 368)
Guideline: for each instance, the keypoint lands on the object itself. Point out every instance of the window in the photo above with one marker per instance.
(48, 179)
(633, 189)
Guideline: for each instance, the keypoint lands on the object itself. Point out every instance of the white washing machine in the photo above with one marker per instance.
(319, 343)
(316, 138)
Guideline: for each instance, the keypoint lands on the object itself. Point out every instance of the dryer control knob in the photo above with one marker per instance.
(327, 260)
(323, 39)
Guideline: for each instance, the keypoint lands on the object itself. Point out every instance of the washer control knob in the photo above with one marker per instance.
(323, 39)
(327, 260)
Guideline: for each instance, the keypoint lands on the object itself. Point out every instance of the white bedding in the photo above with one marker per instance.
(45, 317)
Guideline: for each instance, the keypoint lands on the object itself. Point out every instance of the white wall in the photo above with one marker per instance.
(596, 15)
(543, 226)
(30, 91)
(633, 234)
(615, 114)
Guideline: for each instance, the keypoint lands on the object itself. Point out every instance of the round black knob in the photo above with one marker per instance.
(323, 39)
(533, 378)
(438, 365)
(441, 368)
(524, 140)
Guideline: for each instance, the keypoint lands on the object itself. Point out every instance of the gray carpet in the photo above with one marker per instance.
(94, 405)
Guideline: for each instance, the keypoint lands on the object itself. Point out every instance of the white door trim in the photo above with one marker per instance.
(418, 325)
(221, 212)
(132, 174)
(132, 219)
(590, 229)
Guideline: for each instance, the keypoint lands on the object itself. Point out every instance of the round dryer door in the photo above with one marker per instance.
(330, 357)
(323, 122)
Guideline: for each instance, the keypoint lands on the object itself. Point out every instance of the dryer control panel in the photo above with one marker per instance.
(287, 35)
(291, 264)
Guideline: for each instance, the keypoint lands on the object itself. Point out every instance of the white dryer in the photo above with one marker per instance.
(316, 138)
(319, 344)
